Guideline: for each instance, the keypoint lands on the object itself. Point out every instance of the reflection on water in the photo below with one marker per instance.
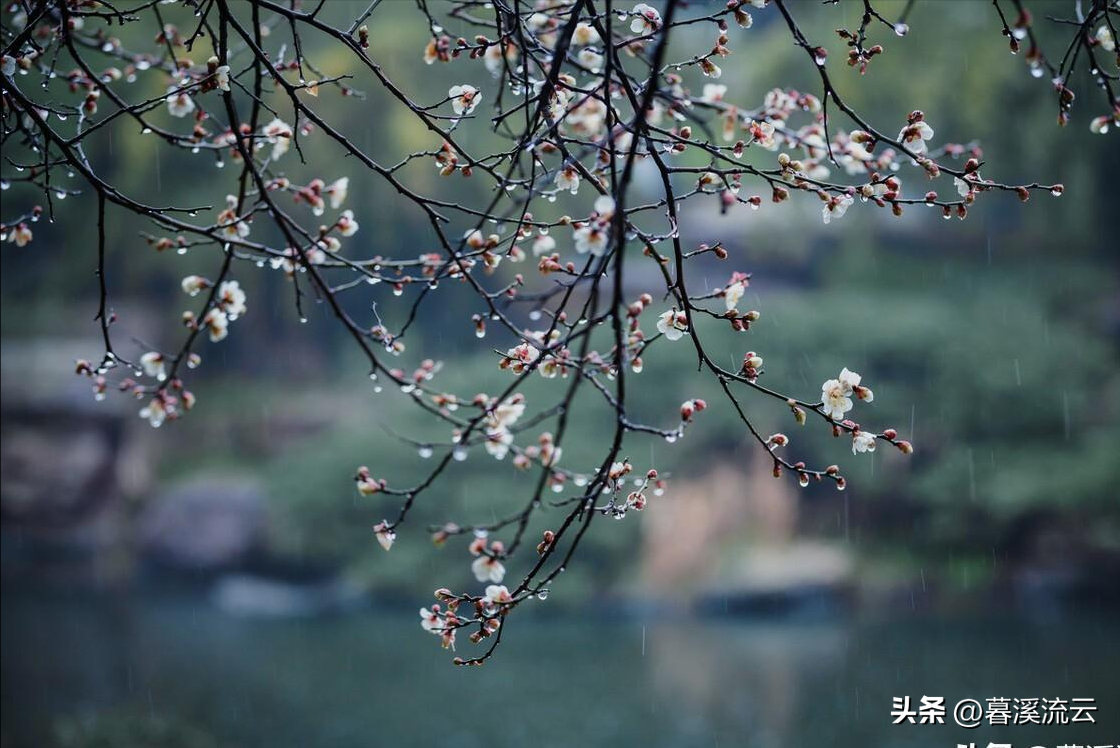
(178, 669)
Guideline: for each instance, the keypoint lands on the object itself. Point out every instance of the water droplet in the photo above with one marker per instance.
(459, 453)
(424, 451)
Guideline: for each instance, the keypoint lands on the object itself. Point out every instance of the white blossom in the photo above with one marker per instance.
(221, 77)
(863, 441)
(836, 208)
(154, 365)
(732, 294)
(591, 238)
(338, 190)
(585, 34)
(347, 226)
(648, 19)
(713, 92)
(384, 535)
(1105, 39)
(464, 98)
(154, 412)
(217, 324)
(836, 394)
(20, 235)
(498, 442)
(231, 299)
(568, 179)
(487, 569)
(543, 244)
(915, 135)
(497, 594)
(672, 324)
(179, 104)
(193, 284)
(279, 135)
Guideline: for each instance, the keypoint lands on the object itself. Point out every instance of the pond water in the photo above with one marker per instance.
(172, 670)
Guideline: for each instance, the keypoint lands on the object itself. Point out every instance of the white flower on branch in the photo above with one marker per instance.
(193, 284)
(338, 190)
(464, 98)
(713, 92)
(384, 535)
(279, 134)
(591, 238)
(231, 299)
(915, 135)
(217, 324)
(672, 324)
(347, 226)
(836, 394)
(155, 412)
(567, 178)
(153, 364)
(1105, 39)
(836, 207)
(585, 34)
(179, 104)
(647, 21)
(221, 77)
(517, 359)
(20, 235)
(862, 441)
(732, 294)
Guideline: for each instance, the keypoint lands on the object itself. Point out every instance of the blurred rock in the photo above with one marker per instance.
(205, 524)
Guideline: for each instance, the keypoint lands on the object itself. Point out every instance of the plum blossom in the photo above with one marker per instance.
(338, 190)
(384, 534)
(221, 77)
(498, 441)
(464, 98)
(430, 620)
(836, 394)
(155, 412)
(591, 238)
(153, 364)
(863, 441)
(1105, 39)
(568, 179)
(20, 235)
(672, 324)
(585, 34)
(279, 134)
(347, 226)
(367, 484)
(543, 244)
(733, 293)
(231, 299)
(836, 207)
(713, 92)
(179, 104)
(648, 19)
(217, 324)
(497, 594)
(915, 135)
(496, 55)
(488, 569)
(193, 284)
(590, 59)
(520, 357)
